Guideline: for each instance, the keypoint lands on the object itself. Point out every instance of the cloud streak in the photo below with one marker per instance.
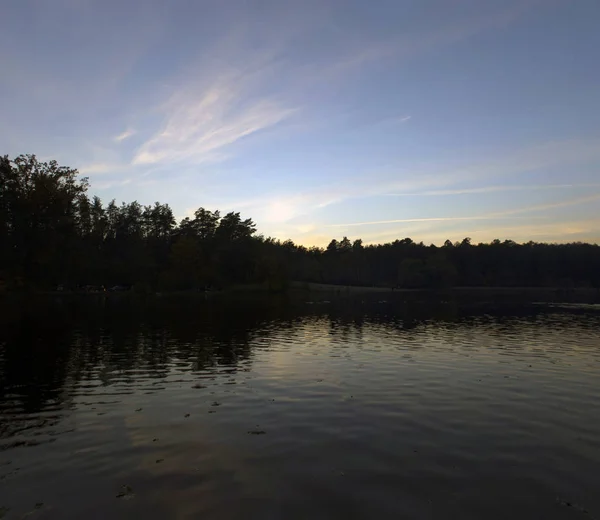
(290, 209)
(418, 178)
(202, 122)
(101, 168)
(492, 189)
(200, 126)
(427, 219)
(553, 205)
(510, 214)
(423, 177)
(540, 230)
(125, 135)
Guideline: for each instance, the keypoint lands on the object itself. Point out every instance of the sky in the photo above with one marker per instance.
(318, 119)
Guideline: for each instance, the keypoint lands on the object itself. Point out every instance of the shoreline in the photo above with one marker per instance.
(310, 290)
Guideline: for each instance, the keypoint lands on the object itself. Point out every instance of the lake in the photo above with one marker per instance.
(191, 408)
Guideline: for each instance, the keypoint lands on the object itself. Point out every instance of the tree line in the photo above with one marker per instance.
(53, 234)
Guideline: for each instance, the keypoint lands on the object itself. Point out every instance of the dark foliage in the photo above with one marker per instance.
(52, 234)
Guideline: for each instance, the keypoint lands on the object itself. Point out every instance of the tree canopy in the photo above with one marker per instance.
(52, 233)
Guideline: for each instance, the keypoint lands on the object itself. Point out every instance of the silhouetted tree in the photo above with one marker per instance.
(52, 233)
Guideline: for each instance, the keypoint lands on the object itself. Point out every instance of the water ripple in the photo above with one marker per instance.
(290, 413)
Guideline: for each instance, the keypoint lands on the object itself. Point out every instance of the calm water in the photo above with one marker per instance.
(187, 409)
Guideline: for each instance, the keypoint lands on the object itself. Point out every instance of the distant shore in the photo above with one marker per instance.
(550, 294)
(312, 290)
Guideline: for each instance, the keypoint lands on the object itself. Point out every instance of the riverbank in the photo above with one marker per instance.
(309, 291)
(530, 294)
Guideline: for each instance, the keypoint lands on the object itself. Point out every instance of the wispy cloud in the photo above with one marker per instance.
(101, 168)
(125, 135)
(541, 230)
(552, 205)
(502, 215)
(284, 207)
(288, 208)
(201, 125)
(492, 189)
(111, 184)
(419, 180)
(427, 219)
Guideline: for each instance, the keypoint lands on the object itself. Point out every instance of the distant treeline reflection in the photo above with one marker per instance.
(52, 235)
(50, 343)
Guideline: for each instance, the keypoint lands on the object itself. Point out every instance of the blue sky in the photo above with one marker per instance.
(434, 119)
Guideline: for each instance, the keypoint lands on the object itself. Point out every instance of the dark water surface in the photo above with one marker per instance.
(200, 409)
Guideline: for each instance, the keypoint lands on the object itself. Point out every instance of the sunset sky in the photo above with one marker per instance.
(433, 119)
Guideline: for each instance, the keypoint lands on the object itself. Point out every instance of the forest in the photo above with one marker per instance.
(53, 234)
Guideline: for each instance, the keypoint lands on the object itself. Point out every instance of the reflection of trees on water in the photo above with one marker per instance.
(49, 348)
(52, 349)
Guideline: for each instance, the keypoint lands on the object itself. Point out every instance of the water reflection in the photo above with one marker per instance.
(184, 407)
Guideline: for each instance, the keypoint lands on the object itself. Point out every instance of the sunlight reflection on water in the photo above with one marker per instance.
(213, 412)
